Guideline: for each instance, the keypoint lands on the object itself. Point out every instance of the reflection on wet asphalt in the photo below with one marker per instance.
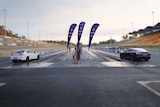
(71, 63)
(30, 65)
(88, 59)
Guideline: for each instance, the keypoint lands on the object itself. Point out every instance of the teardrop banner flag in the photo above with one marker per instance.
(92, 32)
(71, 29)
(80, 30)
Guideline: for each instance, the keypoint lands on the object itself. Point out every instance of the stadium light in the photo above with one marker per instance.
(153, 17)
(5, 22)
(28, 29)
(39, 33)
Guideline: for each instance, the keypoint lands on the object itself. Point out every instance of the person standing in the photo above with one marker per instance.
(78, 55)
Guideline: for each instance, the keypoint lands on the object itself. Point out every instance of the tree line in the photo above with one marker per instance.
(110, 41)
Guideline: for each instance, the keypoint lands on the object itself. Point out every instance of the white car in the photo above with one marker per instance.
(24, 55)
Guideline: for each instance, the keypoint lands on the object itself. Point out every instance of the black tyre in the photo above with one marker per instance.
(38, 57)
(121, 57)
(132, 58)
(146, 59)
(27, 59)
(14, 61)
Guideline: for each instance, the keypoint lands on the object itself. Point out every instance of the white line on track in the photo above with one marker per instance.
(2, 84)
(144, 83)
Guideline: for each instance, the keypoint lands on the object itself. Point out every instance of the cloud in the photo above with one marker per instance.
(55, 16)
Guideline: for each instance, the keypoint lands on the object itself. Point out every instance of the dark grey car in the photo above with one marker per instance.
(135, 54)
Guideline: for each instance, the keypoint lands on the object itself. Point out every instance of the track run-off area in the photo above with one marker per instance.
(100, 79)
(89, 58)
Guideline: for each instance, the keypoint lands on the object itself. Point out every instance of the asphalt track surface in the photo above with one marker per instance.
(97, 81)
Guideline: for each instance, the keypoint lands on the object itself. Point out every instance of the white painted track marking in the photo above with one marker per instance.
(144, 83)
(2, 84)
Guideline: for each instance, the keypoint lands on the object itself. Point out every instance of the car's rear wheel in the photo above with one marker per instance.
(27, 59)
(132, 58)
(14, 61)
(38, 57)
(121, 57)
(146, 59)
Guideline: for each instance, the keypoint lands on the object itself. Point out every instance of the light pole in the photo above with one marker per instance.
(132, 26)
(39, 33)
(46, 35)
(153, 17)
(5, 22)
(110, 40)
(28, 29)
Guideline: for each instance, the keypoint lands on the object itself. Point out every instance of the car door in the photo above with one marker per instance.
(129, 53)
(30, 54)
(34, 55)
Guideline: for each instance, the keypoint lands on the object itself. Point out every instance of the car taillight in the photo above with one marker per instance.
(138, 53)
(20, 54)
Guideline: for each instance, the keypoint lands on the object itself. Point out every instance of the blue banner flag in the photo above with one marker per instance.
(92, 32)
(80, 30)
(71, 29)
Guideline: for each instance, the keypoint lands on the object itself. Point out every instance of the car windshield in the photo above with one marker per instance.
(79, 53)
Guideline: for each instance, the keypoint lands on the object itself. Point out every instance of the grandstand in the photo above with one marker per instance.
(149, 38)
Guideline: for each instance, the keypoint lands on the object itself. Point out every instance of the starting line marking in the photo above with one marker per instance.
(144, 83)
(2, 84)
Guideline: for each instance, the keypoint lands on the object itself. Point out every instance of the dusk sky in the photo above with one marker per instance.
(51, 19)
